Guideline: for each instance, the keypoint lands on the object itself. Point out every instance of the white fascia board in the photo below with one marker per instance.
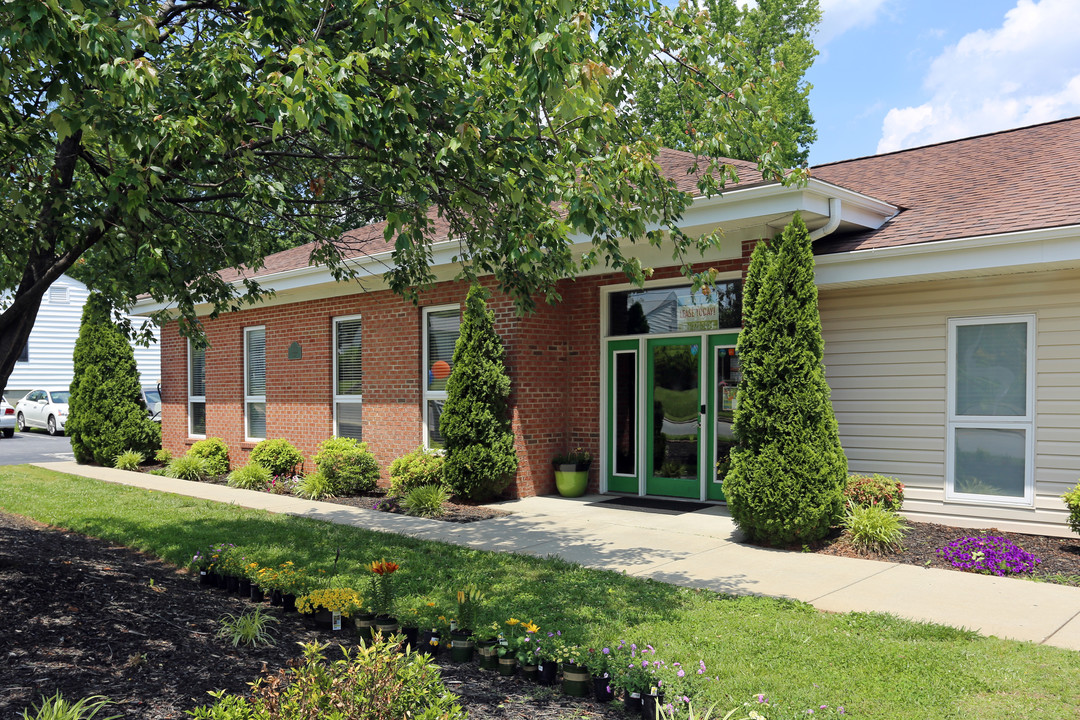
(961, 257)
(770, 201)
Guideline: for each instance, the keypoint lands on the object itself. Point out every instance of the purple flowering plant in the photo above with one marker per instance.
(989, 555)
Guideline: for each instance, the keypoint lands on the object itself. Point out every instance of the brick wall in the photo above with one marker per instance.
(553, 357)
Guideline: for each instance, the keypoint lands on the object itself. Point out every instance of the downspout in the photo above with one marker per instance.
(832, 224)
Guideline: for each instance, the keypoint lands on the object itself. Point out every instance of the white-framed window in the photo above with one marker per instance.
(989, 451)
(442, 325)
(255, 383)
(196, 391)
(348, 377)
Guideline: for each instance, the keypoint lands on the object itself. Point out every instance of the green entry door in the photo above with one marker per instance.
(673, 416)
(724, 373)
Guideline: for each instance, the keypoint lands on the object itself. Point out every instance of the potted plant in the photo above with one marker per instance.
(382, 595)
(251, 580)
(575, 674)
(630, 670)
(548, 663)
(598, 660)
(515, 639)
(461, 636)
(527, 652)
(487, 647)
(329, 606)
(572, 472)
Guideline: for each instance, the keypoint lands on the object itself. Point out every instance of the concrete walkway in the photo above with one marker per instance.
(696, 549)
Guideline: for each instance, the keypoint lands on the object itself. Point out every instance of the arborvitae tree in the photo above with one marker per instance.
(788, 472)
(480, 459)
(106, 414)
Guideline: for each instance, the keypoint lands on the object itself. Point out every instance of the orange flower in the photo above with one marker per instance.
(382, 567)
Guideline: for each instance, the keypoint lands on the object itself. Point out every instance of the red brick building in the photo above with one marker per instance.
(936, 266)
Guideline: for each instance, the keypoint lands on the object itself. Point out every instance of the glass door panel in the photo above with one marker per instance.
(673, 410)
(623, 416)
(725, 373)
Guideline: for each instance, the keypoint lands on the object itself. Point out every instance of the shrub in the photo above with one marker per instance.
(250, 477)
(129, 460)
(426, 501)
(788, 471)
(480, 458)
(163, 456)
(416, 469)
(215, 452)
(348, 465)
(372, 682)
(279, 456)
(314, 486)
(1072, 501)
(187, 467)
(874, 528)
(867, 490)
(106, 411)
(57, 708)
(989, 555)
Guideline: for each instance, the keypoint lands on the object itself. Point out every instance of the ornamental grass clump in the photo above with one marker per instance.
(250, 477)
(426, 501)
(874, 528)
(989, 555)
(129, 460)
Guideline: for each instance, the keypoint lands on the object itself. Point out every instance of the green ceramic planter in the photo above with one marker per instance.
(571, 482)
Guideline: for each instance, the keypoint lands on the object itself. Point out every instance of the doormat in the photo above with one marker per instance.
(671, 507)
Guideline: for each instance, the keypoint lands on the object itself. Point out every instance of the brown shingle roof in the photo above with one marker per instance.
(368, 240)
(1013, 180)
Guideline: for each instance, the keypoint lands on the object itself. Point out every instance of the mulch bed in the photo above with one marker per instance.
(379, 500)
(1060, 556)
(86, 617)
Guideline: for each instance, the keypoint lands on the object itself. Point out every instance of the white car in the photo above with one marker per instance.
(46, 409)
(7, 418)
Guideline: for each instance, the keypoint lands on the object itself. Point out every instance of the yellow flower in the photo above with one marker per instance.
(460, 596)
(530, 627)
(513, 621)
(431, 604)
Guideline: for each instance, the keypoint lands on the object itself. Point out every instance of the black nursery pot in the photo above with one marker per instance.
(222, 582)
(276, 598)
(288, 603)
(602, 688)
(632, 701)
(206, 578)
(649, 703)
(256, 594)
(549, 672)
(245, 587)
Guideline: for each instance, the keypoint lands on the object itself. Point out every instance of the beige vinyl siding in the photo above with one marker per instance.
(885, 357)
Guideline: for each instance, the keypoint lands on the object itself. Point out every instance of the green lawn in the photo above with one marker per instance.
(873, 665)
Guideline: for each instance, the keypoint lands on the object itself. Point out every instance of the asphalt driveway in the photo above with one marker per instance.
(34, 446)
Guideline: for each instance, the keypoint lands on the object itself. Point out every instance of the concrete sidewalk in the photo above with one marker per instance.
(696, 549)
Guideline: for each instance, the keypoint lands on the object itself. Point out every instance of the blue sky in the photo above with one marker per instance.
(902, 73)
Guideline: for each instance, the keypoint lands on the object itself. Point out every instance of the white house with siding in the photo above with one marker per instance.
(46, 361)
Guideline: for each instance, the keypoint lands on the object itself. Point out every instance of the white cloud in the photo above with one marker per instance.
(839, 16)
(1027, 71)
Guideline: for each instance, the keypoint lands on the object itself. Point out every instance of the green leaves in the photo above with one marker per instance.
(196, 134)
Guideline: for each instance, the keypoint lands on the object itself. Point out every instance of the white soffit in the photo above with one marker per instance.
(1026, 251)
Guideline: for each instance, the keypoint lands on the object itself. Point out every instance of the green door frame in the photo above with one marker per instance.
(622, 483)
(714, 488)
(659, 485)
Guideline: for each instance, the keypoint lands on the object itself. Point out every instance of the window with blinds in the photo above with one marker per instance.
(255, 383)
(348, 377)
(442, 326)
(990, 444)
(196, 391)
